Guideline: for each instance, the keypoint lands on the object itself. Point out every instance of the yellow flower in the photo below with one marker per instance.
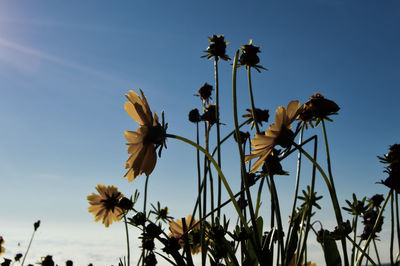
(279, 133)
(143, 142)
(2, 249)
(105, 205)
(177, 231)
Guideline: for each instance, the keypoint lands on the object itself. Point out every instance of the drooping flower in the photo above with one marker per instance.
(177, 230)
(143, 142)
(317, 108)
(2, 249)
(279, 133)
(217, 48)
(105, 205)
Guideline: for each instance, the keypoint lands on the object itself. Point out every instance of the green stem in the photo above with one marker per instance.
(258, 202)
(227, 137)
(198, 170)
(397, 221)
(218, 132)
(334, 195)
(29, 246)
(376, 251)
(242, 164)
(144, 212)
(359, 249)
(366, 245)
(127, 241)
(215, 164)
(355, 221)
(253, 108)
(278, 219)
(391, 229)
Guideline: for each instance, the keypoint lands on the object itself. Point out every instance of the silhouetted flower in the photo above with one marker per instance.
(161, 213)
(18, 256)
(317, 108)
(369, 219)
(249, 57)
(357, 207)
(148, 244)
(2, 249)
(177, 230)
(260, 115)
(36, 225)
(150, 260)
(194, 116)
(205, 92)
(272, 164)
(105, 205)
(279, 133)
(6, 262)
(125, 204)
(393, 169)
(143, 142)
(153, 230)
(69, 263)
(47, 261)
(217, 48)
(375, 201)
(209, 114)
(138, 219)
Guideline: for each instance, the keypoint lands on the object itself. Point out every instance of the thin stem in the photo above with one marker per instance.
(366, 245)
(359, 249)
(253, 108)
(127, 241)
(29, 246)
(258, 202)
(274, 194)
(355, 221)
(144, 212)
(376, 252)
(218, 131)
(397, 221)
(337, 211)
(198, 170)
(391, 229)
(242, 164)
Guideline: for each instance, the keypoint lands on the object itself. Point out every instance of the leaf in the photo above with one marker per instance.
(331, 252)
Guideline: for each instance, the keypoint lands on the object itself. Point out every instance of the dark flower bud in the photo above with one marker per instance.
(150, 260)
(205, 92)
(260, 116)
(47, 261)
(243, 136)
(242, 202)
(217, 48)
(18, 256)
(6, 262)
(138, 219)
(171, 245)
(125, 204)
(210, 114)
(341, 232)
(194, 116)
(36, 225)
(148, 244)
(272, 164)
(69, 263)
(153, 230)
(249, 57)
(376, 200)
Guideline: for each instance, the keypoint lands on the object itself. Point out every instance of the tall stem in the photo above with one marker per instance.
(145, 215)
(253, 107)
(128, 250)
(334, 195)
(278, 219)
(29, 246)
(242, 164)
(218, 132)
(391, 229)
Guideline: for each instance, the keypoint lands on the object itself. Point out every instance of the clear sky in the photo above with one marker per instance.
(66, 65)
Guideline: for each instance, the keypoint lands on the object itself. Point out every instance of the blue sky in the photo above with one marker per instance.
(65, 67)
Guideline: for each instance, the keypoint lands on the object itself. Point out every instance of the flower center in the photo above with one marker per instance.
(111, 202)
(285, 138)
(156, 135)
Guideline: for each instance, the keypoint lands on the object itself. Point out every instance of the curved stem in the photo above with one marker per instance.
(242, 164)
(215, 164)
(337, 211)
(253, 108)
(127, 241)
